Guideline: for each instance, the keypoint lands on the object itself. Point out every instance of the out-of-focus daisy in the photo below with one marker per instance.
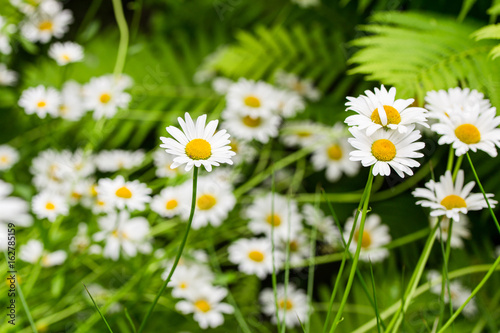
(8, 157)
(120, 232)
(81, 242)
(386, 150)
(280, 212)
(13, 209)
(247, 128)
(289, 103)
(5, 31)
(221, 85)
(458, 294)
(163, 162)
(244, 151)
(327, 230)
(471, 129)
(303, 87)
(298, 248)
(197, 144)
(171, 201)
(375, 235)
(48, 21)
(205, 303)
(7, 77)
(302, 133)
(49, 205)
(104, 96)
(65, 53)
(292, 305)
(71, 107)
(33, 251)
(186, 278)
(53, 170)
(114, 160)
(120, 193)
(250, 98)
(451, 198)
(254, 256)
(382, 110)
(40, 100)
(444, 103)
(459, 231)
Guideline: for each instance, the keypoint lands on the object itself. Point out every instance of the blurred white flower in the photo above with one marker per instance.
(289, 103)
(163, 162)
(8, 157)
(188, 277)
(446, 102)
(459, 231)
(104, 96)
(250, 98)
(81, 242)
(65, 53)
(117, 159)
(12, 209)
(5, 31)
(71, 106)
(120, 193)
(40, 100)
(49, 205)
(221, 85)
(327, 230)
(171, 201)
(290, 81)
(33, 251)
(7, 77)
(49, 20)
(303, 133)
(260, 128)
(293, 305)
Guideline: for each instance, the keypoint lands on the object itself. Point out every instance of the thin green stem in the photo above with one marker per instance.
(310, 272)
(287, 267)
(98, 310)
(457, 167)
(179, 252)
(377, 315)
(451, 156)
(445, 283)
(122, 47)
(274, 279)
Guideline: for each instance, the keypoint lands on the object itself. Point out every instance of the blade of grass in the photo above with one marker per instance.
(130, 320)
(97, 308)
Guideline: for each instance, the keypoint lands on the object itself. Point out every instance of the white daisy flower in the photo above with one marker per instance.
(382, 110)
(279, 211)
(13, 209)
(105, 96)
(471, 129)
(444, 103)
(120, 232)
(375, 236)
(7, 77)
(247, 128)
(120, 193)
(49, 205)
(50, 20)
(221, 85)
(117, 159)
(293, 305)
(186, 278)
(303, 87)
(298, 247)
(243, 150)
(327, 230)
(33, 251)
(163, 162)
(8, 157)
(459, 232)
(205, 303)
(53, 170)
(40, 100)
(71, 107)
(5, 31)
(254, 256)
(197, 144)
(82, 164)
(81, 242)
(386, 150)
(302, 133)
(170, 201)
(289, 103)
(450, 198)
(250, 98)
(65, 53)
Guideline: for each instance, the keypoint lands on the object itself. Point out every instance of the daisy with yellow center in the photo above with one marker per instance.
(446, 102)
(49, 205)
(292, 304)
(33, 252)
(197, 144)
(470, 128)
(49, 20)
(8, 157)
(170, 201)
(65, 53)
(189, 277)
(303, 133)
(386, 150)
(120, 193)
(381, 110)
(248, 127)
(450, 198)
(253, 256)
(40, 100)
(105, 95)
(255, 99)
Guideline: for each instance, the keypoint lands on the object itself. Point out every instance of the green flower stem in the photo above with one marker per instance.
(274, 279)
(474, 292)
(484, 193)
(179, 252)
(445, 283)
(457, 166)
(122, 48)
(347, 290)
(312, 265)
(451, 156)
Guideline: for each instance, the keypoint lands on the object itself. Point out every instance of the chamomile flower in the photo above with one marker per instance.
(254, 256)
(49, 205)
(163, 162)
(274, 214)
(7, 77)
(375, 236)
(289, 103)
(71, 106)
(33, 251)
(446, 102)
(105, 96)
(117, 159)
(250, 98)
(303, 87)
(450, 198)
(205, 303)
(459, 232)
(81, 242)
(48, 21)
(13, 209)
(244, 151)
(170, 201)
(260, 128)
(386, 150)
(40, 100)
(471, 129)
(197, 144)
(302, 133)
(186, 278)
(327, 230)
(120, 232)
(5, 31)
(120, 193)
(52, 170)
(221, 85)
(382, 110)
(298, 249)
(292, 304)
(8, 157)
(65, 53)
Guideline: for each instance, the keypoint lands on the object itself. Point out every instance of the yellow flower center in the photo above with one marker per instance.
(468, 134)
(366, 239)
(93, 190)
(205, 202)
(202, 305)
(76, 195)
(393, 116)
(198, 149)
(252, 101)
(288, 305)
(234, 147)
(274, 220)
(4, 159)
(335, 152)
(384, 150)
(294, 246)
(105, 98)
(63, 109)
(256, 256)
(50, 206)
(171, 204)
(67, 58)
(123, 192)
(115, 233)
(45, 26)
(251, 122)
(183, 285)
(41, 104)
(453, 201)
(303, 134)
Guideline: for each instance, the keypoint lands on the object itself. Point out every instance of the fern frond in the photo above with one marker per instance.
(491, 31)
